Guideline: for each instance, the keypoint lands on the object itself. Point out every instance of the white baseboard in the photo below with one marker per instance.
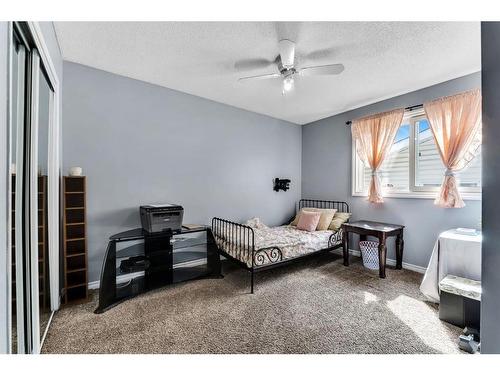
(390, 262)
(130, 276)
(93, 284)
(357, 253)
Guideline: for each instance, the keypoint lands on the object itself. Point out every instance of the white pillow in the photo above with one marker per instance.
(256, 223)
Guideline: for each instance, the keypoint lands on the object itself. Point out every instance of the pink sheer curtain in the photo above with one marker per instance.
(456, 125)
(374, 136)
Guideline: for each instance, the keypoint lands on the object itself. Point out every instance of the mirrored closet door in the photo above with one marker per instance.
(32, 99)
(18, 255)
(45, 95)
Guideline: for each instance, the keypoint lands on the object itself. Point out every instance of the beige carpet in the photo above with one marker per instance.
(318, 306)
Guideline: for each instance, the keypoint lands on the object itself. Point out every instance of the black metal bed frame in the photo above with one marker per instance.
(241, 241)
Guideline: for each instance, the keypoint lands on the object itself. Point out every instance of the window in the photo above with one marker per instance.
(413, 167)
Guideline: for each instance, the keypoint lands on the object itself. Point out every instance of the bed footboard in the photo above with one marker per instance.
(237, 242)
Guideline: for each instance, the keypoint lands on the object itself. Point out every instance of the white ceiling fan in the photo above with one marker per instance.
(287, 70)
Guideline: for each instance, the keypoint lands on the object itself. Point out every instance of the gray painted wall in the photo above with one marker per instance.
(139, 143)
(326, 174)
(490, 303)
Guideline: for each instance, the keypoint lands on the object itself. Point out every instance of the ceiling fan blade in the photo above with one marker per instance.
(260, 77)
(250, 64)
(319, 54)
(287, 52)
(322, 70)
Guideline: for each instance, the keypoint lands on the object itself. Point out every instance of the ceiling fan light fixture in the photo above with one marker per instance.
(287, 84)
(287, 69)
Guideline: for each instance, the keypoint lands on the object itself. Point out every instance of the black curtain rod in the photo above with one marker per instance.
(411, 108)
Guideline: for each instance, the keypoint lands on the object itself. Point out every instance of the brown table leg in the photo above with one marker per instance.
(382, 254)
(345, 246)
(362, 237)
(400, 243)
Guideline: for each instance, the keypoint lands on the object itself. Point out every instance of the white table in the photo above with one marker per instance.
(454, 254)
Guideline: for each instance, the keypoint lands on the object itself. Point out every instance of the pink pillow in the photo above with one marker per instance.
(308, 221)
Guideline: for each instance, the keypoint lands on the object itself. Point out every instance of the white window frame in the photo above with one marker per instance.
(422, 192)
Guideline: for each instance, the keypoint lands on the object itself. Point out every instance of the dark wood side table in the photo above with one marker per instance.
(381, 231)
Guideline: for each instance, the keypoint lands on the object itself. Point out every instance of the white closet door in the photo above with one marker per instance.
(34, 152)
(17, 170)
(45, 177)
(32, 207)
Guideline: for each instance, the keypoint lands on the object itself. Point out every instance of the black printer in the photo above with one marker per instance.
(161, 217)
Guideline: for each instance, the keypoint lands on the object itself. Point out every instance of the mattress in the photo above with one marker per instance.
(291, 241)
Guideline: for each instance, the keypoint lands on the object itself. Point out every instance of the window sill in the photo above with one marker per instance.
(466, 196)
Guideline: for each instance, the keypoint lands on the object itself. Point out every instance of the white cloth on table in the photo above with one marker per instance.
(454, 254)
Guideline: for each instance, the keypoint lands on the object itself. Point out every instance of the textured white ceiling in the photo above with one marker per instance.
(381, 59)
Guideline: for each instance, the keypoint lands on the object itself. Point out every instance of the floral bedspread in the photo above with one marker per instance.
(290, 241)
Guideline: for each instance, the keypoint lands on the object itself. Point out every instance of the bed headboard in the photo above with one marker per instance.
(340, 206)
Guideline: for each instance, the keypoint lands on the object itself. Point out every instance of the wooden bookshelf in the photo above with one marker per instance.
(75, 240)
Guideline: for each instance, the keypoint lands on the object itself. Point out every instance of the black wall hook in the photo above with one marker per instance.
(281, 184)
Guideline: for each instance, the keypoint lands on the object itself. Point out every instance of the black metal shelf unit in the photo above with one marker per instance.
(151, 260)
